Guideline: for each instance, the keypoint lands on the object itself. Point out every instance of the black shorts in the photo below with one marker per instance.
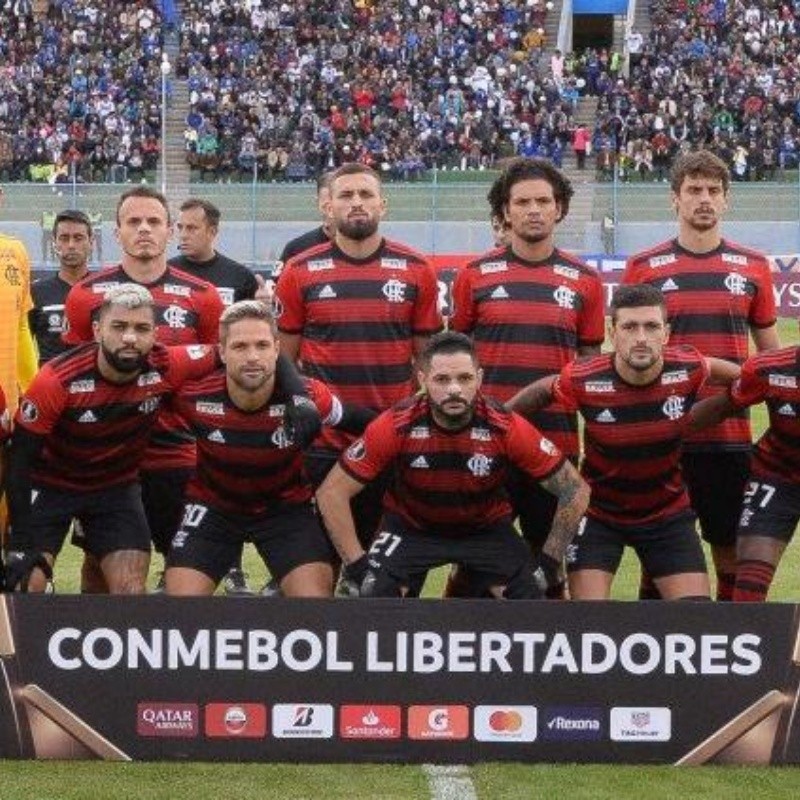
(771, 508)
(163, 495)
(669, 549)
(210, 540)
(111, 519)
(366, 506)
(716, 481)
(405, 554)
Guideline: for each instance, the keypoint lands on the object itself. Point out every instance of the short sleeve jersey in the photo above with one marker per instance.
(713, 299)
(15, 301)
(528, 320)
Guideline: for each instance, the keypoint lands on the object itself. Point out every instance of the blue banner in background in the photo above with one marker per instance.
(599, 7)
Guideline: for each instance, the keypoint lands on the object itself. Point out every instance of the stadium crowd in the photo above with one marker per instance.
(301, 88)
(79, 90)
(715, 74)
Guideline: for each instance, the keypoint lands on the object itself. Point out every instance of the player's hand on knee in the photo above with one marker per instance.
(19, 567)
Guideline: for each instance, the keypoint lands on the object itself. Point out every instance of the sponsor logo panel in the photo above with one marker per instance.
(370, 722)
(302, 721)
(641, 724)
(561, 723)
(438, 722)
(505, 723)
(236, 720)
(173, 720)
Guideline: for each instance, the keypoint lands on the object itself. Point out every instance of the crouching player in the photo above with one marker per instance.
(450, 451)
(250, 485)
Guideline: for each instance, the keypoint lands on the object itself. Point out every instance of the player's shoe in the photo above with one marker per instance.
(234, 584)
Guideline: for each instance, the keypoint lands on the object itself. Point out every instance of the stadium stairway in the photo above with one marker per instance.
(177, 168)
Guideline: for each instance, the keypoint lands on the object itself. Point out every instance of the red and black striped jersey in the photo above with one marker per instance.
(96, 431)
(450, 482)
(5, 418)
(245, 462)
(774, 378)
(527, 320)
(357, 319)
(187, 312)
(633, 434)
(713, 299)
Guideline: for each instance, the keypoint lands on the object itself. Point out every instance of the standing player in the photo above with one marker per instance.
(449, 451)
(79, 438)
(198, 229)
(250, 484)
(716, 291)
(319, 235)
(771, 509)
(187, 312)
(635, 403)
(72, 244)
(17, 351)
(355, 311)
(531, 308)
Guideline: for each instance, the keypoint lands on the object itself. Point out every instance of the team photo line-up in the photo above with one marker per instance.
(357, 439)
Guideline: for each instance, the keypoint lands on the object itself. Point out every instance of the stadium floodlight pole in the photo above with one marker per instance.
(165, 70)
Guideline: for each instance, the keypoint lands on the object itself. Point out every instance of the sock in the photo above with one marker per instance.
(753, 579)
(725, 584)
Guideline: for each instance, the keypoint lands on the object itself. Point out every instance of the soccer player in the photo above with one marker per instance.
(322, 234)
(79, 438)
(72, 244)
(716, 291)
(17, 350)
(187, 312)
(449, 451)
(355, 311)
(635, 403)
(198, 229)
(771, 508)
(250, 484)
(531, 308)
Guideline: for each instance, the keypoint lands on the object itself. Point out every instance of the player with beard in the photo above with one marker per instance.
(636, 404)
(79, 438)
(354, 312)
(250, 483)
(531, 308)
(716, 292)
(73, 241)
(448, 451)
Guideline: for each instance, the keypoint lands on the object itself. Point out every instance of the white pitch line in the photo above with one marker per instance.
(449, 782)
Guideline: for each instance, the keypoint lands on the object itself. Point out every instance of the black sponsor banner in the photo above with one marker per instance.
(413, 681)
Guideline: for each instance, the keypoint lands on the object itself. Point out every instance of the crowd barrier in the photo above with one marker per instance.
(157, 678)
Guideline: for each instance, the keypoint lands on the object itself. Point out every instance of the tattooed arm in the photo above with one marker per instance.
(573, 493)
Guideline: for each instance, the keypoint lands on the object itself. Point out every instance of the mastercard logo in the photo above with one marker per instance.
(505, 721)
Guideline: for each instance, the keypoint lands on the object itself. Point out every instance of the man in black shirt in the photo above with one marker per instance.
(320, 235)
(73, 240)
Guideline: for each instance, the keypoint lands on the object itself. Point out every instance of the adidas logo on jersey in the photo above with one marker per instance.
(326, 292)
(787, 410)
(420, 462)
(605, 416)
(87, 416)
(499, 293)
(216, 436)
(669, 286)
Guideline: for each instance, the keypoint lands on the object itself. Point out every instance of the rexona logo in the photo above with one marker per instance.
(369, 722)
(302, 721)
(571, 722)
(438, 722)
(178, 720)
(641, 724)
(505, 723)
(236, 720)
